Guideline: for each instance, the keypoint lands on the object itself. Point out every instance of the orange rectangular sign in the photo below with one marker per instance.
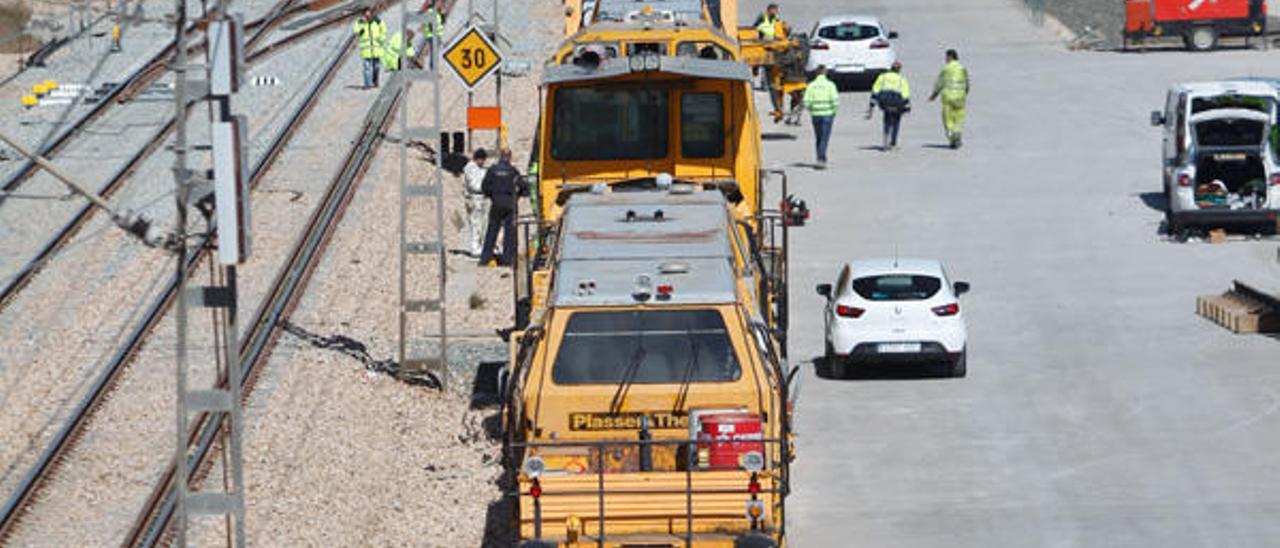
(484, 117)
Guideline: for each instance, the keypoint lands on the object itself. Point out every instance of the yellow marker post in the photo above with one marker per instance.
(39, 90)
(29, 101)
(50, 85)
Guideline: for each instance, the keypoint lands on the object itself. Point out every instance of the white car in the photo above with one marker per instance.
(852, 47)
(895, 310)
(1221, 154)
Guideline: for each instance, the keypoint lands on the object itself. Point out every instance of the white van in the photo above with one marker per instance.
(1221, 154)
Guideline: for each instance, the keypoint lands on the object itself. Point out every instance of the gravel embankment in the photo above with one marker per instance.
(119, 459)
(337, 456)
(1103, 16)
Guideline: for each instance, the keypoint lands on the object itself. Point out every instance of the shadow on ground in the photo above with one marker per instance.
(778, 136)
(484, 386)
(1156, 201)
(834, 370)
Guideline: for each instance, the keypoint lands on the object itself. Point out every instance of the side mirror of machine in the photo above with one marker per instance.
(503, 378)
(893, 35)
(824, 290)
(1157, 118)
(961, 288)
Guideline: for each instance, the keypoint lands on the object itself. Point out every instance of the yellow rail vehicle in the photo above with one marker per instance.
(648, 88)
(647, 403)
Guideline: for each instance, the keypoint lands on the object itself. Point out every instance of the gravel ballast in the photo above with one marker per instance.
(336, 455)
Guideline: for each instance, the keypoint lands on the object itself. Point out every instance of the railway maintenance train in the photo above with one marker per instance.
(647, 399)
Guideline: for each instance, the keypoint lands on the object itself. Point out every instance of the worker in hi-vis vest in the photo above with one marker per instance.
(953, 86)
(821, 99)
(432, 31)
(392, 52)
(766, 24)
(372, 34)
(892, 93)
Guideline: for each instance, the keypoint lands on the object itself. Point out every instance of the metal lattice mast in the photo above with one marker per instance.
(430, 360)
(228, 186)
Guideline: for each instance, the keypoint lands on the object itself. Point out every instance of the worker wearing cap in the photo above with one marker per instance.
(822, 99)
(953, 86)
(372, 33)
(892, 93)
(396, 48)
(766, 24)
(503, 186)
(432, 30)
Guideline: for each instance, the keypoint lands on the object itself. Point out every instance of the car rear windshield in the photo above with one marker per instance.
(610, 124)
(897, 287)
(1247, 102)
(1229, 132)
(849, 32)
(659, 346)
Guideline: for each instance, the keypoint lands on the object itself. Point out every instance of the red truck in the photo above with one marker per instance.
(1199, 22)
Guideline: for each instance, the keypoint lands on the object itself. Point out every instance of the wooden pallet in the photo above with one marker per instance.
(1241, 310)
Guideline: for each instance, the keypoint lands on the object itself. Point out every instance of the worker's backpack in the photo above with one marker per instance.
(891, 101)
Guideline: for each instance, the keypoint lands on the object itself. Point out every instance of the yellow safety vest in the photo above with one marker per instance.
(894, 81)
(373, 35)
(391, 53)
(821, 97)
(766, 27)
(430, 30)
(953, 82)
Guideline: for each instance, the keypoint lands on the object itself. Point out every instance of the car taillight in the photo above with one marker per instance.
(879, 43)
(1185, 180)
(947, 309)
(819, 45)
(1275, 180)
(849, 311)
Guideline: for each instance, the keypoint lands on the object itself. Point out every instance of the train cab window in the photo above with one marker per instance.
(701, 50)
(609, 124)
(645, 346)
(640, 48)
(702, 125)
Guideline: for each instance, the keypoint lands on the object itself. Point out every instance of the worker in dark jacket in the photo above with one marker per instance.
(503, 186)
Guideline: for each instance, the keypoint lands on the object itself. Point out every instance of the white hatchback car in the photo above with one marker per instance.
(852, 47)
(895, 310)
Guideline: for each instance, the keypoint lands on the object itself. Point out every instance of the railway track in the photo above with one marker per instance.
(265, 327)
(146, 74)
(29, 487)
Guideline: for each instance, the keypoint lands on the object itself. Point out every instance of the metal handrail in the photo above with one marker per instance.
(781, 481)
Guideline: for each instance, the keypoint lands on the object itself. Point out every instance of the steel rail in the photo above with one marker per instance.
(282, 300)
(265, 328)
(20, 280)
(66, 438)
(144, 75)
(1266, 299)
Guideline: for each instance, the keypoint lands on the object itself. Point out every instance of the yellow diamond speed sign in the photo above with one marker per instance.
(472, 56)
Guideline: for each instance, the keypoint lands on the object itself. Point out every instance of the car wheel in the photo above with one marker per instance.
(1203, 38)
(958, 369)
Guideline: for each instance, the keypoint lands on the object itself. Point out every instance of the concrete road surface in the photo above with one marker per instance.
(1099, 410)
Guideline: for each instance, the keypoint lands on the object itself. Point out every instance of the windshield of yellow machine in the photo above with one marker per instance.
(646, 347)
(610, 124)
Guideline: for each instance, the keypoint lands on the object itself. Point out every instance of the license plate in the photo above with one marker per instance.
(852, 68)
(897, 348)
